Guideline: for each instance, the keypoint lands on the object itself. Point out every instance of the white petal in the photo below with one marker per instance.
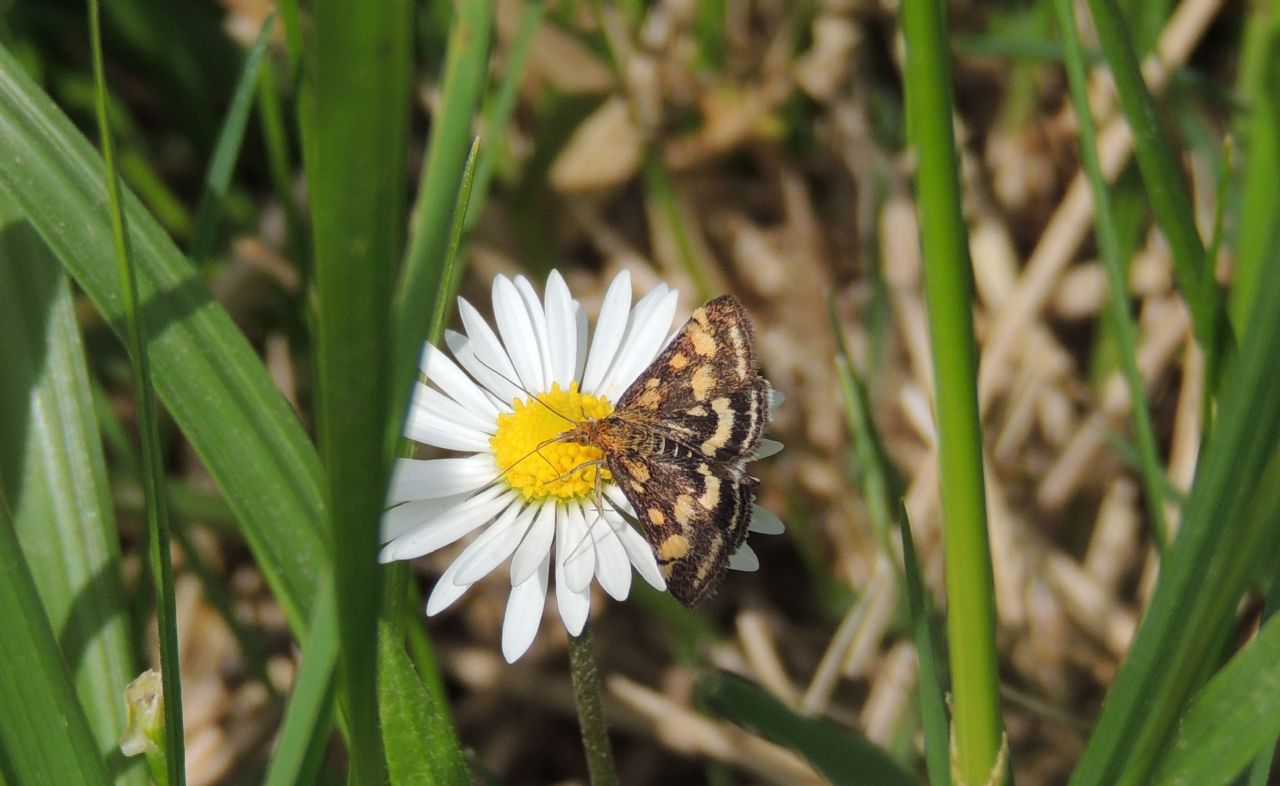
(488, 350)
(638, 549)
(613, 568)
(518, 335)
(428, 400)
(610, 327)
(538, 318)
(767, 448)
(495, 544)
(646, 336)
(574, 606)
(430, 428)
(562, 332)
(499, 390)
(775, 399)
(434, 478)
(580, 318)
(536, 544)
(575, 552)
(450, 525)
(764, 522)
(524, 612)
(744, 559)
(445, 374)
(446, 591)
(402, 518)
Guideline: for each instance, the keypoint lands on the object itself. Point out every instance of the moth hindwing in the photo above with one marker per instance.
(678, 442)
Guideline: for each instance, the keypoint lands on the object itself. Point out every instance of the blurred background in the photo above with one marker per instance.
(721, 146)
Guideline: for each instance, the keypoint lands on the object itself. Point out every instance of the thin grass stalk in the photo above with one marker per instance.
(591, 722)
(977, 739)
(226, 150)
(1260, 130)
(424, 290)
(1170, 199)
(497, 113)
(1118, 300)
(149, 432)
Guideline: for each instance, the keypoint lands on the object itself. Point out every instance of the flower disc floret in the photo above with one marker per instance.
(532, 462)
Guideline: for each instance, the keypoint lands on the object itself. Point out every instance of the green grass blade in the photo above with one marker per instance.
(425, 290)
(308, 718)
(929, 656)
(497, 113)
(54, 479)
(226, 150)
(1259, 187)
(158, 554)
(840, 754)
(406, 700)
(210, 379)
(1237, 715)
(420, 742)
(1108, 235)
(44, 737)
(977, 735)
(1218, 552)
(357, 113)
(1170, 201)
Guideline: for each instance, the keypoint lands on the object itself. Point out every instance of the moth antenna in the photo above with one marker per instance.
(527, 392)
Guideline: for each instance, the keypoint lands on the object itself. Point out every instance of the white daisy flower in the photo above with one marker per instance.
(543, 508)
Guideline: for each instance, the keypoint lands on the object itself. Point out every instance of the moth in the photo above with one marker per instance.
(678, 441)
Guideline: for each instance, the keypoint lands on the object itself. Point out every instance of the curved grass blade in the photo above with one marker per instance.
(44, 737)
(208, 376)
(54, 478)
(1219, 550)
(1236, 716)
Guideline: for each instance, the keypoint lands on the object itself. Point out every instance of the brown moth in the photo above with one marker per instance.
(678, 441)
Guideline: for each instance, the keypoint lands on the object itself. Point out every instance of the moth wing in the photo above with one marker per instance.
(693, 512)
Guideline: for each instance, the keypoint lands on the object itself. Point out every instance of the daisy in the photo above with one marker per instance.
(543, 508)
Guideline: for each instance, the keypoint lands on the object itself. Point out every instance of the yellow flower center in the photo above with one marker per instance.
(553, 469)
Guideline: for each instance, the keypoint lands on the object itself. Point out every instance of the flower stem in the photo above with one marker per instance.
(586, 693)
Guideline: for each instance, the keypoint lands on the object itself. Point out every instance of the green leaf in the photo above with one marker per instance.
(205, 372)
(840, 754)
(1237, 715)
(44, 737)
(417, 731)
(54, 479)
